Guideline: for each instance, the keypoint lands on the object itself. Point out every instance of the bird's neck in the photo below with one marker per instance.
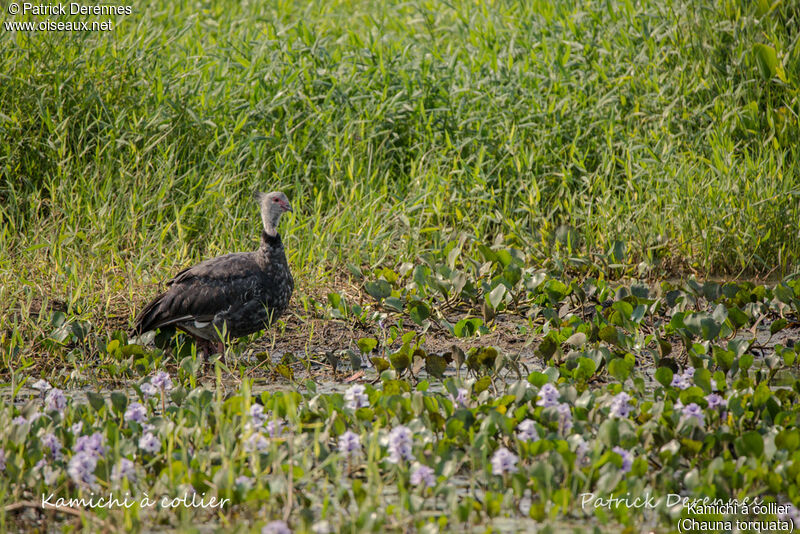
(270, 241)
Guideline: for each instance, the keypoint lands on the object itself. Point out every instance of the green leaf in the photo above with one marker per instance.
(435, 365)
(778, 325)
(96, 400)
(419, 311)
(768, 62)
(380, 364)
(482, 384)
(537, 379)
(393, 304)
(467, 327)
(400, 360)
(119, 401)
(750, 444)
(495, 296)
(547, 347)
(664, 376)
(379, 289)
(620, 368)
(586, 368)
(609, 334)
(367, 344)
(788, 439)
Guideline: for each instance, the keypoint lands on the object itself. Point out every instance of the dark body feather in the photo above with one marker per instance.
(237, 293)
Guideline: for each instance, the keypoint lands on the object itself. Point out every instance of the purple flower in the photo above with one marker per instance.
(582, 451)
(792, 514)
(162, 381)
(81, 468)
(93, 445)
(275, 427)
(136, 412)
(548, 396)
(76, 428)
(620, 407)
(526, 431)
(51, 442)
(257, 414)
(2, 459)
(627, 458)
(244, 481)
(504, 461)
(462, 398)
(422, 475)
(350, 444)
(256, 442)
(124, 469)
(400, 445)
(715, 401)
(41, 385)
(56, 401)
(149, 443)
(693, 410)
(683, 381)
(564, 416)
(276, 527)
(148, 390)
(19, 420)
(356, 397)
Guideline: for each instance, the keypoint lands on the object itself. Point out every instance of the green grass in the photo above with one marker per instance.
(393, 128)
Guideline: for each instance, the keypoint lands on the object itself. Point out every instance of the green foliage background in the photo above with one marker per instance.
(671, 126)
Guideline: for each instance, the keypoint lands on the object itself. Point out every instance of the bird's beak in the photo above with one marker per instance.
(287, 207)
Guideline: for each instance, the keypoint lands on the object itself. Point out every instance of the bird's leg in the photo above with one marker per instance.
(204, 346)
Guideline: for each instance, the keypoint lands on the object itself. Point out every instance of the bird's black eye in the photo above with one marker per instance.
(274, 199)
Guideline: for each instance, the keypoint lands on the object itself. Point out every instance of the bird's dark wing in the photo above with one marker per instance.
(202, 291)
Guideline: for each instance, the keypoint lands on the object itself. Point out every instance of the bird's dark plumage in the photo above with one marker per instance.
(235, 294)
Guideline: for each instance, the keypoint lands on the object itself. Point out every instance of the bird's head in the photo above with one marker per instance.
(272, 205)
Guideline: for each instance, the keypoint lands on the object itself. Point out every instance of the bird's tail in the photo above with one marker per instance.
(148, 317)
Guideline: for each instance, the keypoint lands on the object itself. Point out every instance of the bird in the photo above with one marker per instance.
(231, 296)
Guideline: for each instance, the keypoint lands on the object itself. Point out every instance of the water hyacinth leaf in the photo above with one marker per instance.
(378, 289)
(778, 325)
(380, 364)
(481, 385)
(723, 358)
(96, 400)
(745, 362)
(467, 327)
(609, 334)
(435, 365)
(367, 344)
(664, 376)
(702, 377)
(620, 368)
(585, 370)
(393, 304)
(119, 401)
(419, 312)
(784, 293)
(788, 439)
(749, 444)
(537, 379)
(547, 347)
(495, 296)
(400, 360)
